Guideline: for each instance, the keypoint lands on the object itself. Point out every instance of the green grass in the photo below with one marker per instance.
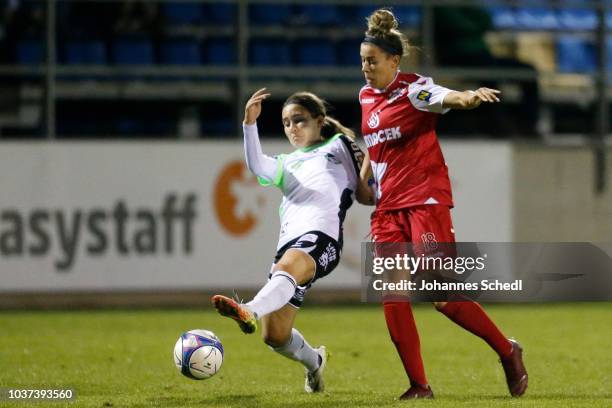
(124, 358)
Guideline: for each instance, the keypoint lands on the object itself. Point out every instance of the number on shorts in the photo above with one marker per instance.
(379, 170)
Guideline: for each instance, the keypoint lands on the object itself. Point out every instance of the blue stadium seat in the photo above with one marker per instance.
(408, 16)
(348, 15)
(609, 51)
(504, 18)
(30, 52)
(269, 52)
(181, 51)
(221, 13)
(347, 52)
(133, 51)
(319, 14)
(220, 51)
(363, 12)
(85, 52)
(270, 13)
(129, 126)
(578, 19)
(183, 13)
(575, 55)
(537, 18)
(315, 51)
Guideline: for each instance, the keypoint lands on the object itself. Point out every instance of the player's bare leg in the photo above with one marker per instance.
(279, 333)
(278, 326)
(271, 305)
(294, 268)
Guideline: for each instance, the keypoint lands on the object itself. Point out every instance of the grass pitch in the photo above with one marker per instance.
(124, 359)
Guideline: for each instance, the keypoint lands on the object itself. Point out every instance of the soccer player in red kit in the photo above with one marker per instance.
(399, 115)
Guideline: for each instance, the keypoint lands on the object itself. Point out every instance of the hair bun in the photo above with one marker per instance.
(381, 22)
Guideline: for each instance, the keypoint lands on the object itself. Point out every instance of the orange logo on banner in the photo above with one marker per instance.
(227, 201)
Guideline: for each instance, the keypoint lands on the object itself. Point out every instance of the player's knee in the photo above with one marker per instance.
(299, 271)
(288, 267)
(275, 340)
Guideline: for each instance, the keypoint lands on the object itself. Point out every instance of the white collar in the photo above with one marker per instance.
(376, 90)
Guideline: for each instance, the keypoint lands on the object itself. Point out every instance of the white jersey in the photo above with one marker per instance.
(318, 184)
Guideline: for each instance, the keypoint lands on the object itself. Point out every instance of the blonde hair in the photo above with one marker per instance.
(317, 107)
(383, 26)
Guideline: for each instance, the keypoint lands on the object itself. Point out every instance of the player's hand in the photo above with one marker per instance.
(252, 109)
(483, 95)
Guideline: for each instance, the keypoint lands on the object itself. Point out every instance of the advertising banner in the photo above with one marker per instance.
(157, 215)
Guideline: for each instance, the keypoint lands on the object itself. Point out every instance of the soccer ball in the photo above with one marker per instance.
(198, 354)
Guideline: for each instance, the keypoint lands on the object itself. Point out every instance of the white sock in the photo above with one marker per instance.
(298, 349)
(274, 295)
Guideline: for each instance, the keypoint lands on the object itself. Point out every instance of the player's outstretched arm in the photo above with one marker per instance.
(470, 99)
(257, 162)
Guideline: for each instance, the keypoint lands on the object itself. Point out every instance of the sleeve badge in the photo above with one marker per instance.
(424, 96)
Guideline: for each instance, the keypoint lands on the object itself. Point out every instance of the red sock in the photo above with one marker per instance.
(405, 336)
(472, 317)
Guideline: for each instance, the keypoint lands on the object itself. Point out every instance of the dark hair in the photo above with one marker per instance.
(317, 108)
(383, 26)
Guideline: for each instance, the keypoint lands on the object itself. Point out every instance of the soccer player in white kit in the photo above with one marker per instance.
(319, 181)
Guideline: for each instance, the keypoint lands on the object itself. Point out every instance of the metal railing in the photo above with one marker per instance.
(243, 75)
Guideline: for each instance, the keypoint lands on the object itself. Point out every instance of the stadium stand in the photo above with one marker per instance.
(280, 36)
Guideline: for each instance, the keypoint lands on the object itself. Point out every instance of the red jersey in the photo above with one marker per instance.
(398, 125)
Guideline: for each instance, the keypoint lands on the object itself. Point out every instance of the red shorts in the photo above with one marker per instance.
(428, 227)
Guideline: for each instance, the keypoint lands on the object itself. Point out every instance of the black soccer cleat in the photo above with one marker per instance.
(417, 391)
(516, 374)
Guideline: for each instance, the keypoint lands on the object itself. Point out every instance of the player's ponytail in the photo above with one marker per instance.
(383, 32)
(317, 107)
(333, 126)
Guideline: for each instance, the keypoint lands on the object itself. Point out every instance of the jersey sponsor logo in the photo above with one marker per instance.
(332, 159)
(424, 96)
(367, 101)
(382, 135)
(396, 94)
(328, 256)
(374, 120)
